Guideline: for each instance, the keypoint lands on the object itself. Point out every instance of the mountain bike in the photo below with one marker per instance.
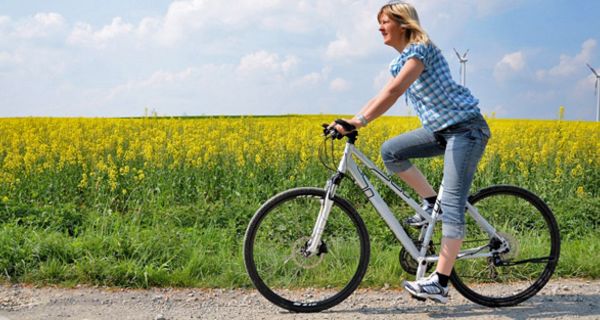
(307, 249)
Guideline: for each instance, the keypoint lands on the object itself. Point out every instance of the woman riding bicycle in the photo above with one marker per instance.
(452, 126)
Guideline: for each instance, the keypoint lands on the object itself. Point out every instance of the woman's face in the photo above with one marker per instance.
(392, 32)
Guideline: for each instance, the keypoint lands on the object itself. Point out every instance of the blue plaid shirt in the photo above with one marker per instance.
(438, 100)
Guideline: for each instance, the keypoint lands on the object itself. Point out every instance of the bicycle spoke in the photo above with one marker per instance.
(525, 252)
(279, 236)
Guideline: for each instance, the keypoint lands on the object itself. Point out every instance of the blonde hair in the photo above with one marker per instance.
(407, 16)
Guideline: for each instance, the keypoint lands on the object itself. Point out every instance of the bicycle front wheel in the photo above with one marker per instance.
(526, 260)
(276, 242)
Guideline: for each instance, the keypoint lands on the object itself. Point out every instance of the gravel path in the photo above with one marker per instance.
(560, 299)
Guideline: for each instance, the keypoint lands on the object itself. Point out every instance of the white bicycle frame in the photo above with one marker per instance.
(348, 164)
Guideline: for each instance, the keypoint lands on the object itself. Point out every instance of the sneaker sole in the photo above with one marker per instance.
(417, 225)
(422, 296)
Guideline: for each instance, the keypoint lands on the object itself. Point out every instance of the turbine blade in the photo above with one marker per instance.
(457, 54)
(593, 70)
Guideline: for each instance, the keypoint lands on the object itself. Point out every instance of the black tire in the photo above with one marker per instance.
(533, 233)
(278, 232)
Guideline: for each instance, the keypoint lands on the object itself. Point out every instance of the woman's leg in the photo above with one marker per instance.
(416, 180)
(449, 251)
(463, 150)
(397, 151)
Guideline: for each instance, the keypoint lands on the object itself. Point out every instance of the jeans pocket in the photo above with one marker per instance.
(486, 132)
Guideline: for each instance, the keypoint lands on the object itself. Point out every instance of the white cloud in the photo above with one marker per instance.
(381, 79)
(585, 88)
(313, 78)
(4, 20)
(291, 23)
(339, 85)
(186, 17)
(194, 18)
(353, 23)
(356, 25)
(40, 25)
(446, 19)
(214, 57)
(509, 65)
(264, 82)
(83, 33)
(156, 80)
(262, 62)
(6, 58)
(568, 65)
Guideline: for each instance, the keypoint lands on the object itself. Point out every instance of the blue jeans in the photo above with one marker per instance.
(462, 146)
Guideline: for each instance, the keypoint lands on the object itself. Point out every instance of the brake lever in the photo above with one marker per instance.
(326, 129)
(331, 132)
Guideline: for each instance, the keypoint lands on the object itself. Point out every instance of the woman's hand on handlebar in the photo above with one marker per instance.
(339, 128)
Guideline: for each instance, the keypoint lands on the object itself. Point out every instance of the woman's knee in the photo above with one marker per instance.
(393, 159)
(387, 151)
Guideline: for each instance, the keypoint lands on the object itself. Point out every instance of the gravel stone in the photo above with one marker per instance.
(560, 299)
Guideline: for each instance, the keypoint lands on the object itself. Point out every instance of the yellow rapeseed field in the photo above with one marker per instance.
(110, 152)
(165, 202)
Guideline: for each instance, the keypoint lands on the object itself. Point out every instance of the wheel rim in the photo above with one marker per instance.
(285, 275)
(517, 274)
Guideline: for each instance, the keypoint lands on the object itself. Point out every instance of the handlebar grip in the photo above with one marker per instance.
(348, 127)
(333, 133)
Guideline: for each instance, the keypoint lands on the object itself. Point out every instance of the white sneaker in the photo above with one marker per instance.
(417, 220)
(427, 288)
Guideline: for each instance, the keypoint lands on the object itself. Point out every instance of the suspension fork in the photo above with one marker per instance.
(326, 203)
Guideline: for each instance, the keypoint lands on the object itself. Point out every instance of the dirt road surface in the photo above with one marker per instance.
(560, 299)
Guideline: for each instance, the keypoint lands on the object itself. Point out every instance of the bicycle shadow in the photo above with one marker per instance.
(539, 307)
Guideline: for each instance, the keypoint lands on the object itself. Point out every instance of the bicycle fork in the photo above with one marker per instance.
(326, 204)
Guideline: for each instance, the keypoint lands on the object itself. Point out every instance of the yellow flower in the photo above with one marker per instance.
(112, 153)
(84, 181)
(580, 192)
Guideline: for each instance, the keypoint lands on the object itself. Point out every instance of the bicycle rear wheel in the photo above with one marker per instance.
(514, 275)
(277, 237)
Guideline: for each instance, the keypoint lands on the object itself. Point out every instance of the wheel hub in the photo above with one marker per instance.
(303, 258)
(509, 247)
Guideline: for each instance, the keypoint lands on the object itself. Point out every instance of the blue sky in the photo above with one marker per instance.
(207, 57)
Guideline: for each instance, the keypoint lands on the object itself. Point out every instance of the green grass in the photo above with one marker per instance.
(185, 226)
(159, 242)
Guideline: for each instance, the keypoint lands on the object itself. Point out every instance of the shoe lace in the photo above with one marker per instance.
(430, 281)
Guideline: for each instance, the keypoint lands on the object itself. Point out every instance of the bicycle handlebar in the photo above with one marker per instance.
(332, 133)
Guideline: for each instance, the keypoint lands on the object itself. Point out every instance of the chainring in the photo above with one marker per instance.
(409, 264)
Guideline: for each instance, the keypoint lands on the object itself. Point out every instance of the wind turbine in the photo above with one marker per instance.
(463, 66)
(597, 93)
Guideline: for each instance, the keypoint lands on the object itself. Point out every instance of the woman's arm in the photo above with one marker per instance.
(377, 106)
